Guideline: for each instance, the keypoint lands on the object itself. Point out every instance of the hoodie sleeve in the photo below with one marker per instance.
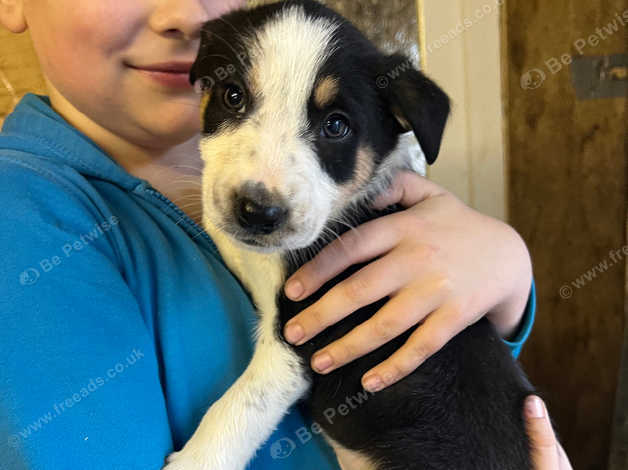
(525, 327)
(79, 376)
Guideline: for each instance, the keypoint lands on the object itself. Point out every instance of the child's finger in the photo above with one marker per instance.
(437, 329)
(543, 441)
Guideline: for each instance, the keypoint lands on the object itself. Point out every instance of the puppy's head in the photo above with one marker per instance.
(301, 117)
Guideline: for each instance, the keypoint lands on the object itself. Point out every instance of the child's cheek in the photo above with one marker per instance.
(107, 30)
(82, 43)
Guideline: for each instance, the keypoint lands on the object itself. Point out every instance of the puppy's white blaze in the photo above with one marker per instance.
(282, 75)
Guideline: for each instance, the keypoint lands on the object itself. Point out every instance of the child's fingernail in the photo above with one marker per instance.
(294, 289)
(294, 332)
(322, 362)
(373, 383)
(534, 407)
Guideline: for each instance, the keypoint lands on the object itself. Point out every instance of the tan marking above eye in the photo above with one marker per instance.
(325, 91)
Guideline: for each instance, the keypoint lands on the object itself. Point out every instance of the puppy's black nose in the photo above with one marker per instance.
(259, 218)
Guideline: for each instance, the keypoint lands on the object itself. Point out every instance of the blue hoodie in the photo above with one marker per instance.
(119, 322)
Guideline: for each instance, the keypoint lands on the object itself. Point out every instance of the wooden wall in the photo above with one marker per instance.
(568, 192)
(19, 70)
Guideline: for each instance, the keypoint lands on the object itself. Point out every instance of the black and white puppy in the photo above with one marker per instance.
(302, 118)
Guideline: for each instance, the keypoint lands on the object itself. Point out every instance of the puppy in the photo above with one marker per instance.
(302, 118)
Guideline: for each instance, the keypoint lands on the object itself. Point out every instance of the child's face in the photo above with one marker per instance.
(86, 50)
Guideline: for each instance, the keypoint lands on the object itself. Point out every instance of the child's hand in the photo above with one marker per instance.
(441, 263)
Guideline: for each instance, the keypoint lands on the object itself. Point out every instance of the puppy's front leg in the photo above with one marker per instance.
(245, 416)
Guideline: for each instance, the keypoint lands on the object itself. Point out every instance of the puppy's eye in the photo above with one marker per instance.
(234, 97)
(336, 126)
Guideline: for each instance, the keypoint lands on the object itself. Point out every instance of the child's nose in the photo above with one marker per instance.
(180, 19)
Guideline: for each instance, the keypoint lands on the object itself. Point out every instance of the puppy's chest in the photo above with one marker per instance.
(262, 275)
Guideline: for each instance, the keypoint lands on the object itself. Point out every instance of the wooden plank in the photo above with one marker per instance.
(568, 197)
(485, 116)
(472, 160)
(445, 63)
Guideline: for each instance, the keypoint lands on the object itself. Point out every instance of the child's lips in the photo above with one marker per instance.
(171, 74)
(171, 67)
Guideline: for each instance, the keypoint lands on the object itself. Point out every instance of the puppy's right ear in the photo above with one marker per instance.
(416, 102)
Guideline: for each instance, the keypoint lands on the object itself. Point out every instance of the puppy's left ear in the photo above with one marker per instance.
(417, 103)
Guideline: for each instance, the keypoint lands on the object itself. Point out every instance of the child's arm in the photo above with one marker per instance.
(441, 263)
(79, 382)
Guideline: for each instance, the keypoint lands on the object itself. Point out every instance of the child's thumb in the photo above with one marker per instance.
(542, 438)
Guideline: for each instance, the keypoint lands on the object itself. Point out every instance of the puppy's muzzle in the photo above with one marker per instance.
(259, 211)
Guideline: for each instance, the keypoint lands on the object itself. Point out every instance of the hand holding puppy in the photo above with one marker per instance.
(442, 264)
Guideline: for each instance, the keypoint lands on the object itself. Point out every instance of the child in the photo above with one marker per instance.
(119, 323)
